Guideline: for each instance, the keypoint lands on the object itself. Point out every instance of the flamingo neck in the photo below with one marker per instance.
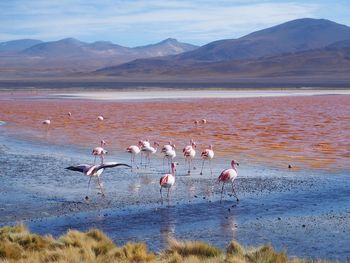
(173, 171)
(234, 167)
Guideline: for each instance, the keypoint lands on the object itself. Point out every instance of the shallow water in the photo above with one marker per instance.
(305, 131)
(303, 209)
(274, 205)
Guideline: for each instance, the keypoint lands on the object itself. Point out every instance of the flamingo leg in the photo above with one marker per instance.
(168, 195)
(189, 166)
(222, 191)
(202, 167)
(161, 194)
(211, 170)
(163, 162)
(95, 159)
(87, 193)
(101, 188)
(102, 159)
(234, 192)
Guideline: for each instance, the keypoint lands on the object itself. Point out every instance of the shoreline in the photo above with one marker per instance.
(149, 94)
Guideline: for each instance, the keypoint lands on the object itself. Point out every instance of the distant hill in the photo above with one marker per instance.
(332, 61)
(293, 36)
(295, 48)
(69, 55)
(18, 45)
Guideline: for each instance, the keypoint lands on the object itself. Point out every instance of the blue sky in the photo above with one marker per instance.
(133, 23)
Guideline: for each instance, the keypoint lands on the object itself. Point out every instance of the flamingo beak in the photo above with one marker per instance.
(237, 164)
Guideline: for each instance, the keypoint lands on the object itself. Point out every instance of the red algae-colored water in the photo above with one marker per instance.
(304, 131)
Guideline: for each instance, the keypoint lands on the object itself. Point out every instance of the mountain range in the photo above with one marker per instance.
(68, 56)
(305, 48)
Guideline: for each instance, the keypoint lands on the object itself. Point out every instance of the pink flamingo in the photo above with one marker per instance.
(142, 144)
(167, 181)
(229, 175)
(189, 153)
(69, 114)
(100, 118)
(204, 121)
(94, 171)
(99, 151)
(149, 150)
(169, 152)
(47, 122)
(133, 150)
(207, 154)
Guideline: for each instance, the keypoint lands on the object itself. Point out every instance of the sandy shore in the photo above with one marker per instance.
(188, 94)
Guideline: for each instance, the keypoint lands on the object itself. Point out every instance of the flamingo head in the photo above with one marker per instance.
(173, 145)
(234, 162)
(196, 122)
(103, 143)
(204, 121)
(69, 114)
(194, 145)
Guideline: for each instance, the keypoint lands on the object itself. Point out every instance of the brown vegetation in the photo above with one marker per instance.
(17, 244)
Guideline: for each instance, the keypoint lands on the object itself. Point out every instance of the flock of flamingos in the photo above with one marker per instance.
(146, 150)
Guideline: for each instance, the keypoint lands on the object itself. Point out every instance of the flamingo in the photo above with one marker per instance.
(189, 153)
(142, 144)
(229, 175)
(150, 150)
(100, 118)
(196, 123)
(47, 122)
(167, 181)
(169, 152)
(204, 121)
(69, 114)
(207, 154)
(99, 151)
(94, 171)
(133, 150)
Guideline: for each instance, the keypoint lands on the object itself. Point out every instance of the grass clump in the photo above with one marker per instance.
(17, 244)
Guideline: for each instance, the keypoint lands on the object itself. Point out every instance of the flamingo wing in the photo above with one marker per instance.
(111, 165)
(164, 180)
(224, 176)
(79, 168)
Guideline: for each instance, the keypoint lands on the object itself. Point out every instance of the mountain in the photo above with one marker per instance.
(69, 56)
(291, 48)
(72, 47)
(292, 36)
(166, 47)
(18, 45)
(329, 62)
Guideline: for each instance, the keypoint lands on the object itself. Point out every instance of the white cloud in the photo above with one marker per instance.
(140, 22)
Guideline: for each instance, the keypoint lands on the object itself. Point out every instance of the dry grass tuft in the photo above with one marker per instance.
(197, 249)
(17, 244)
